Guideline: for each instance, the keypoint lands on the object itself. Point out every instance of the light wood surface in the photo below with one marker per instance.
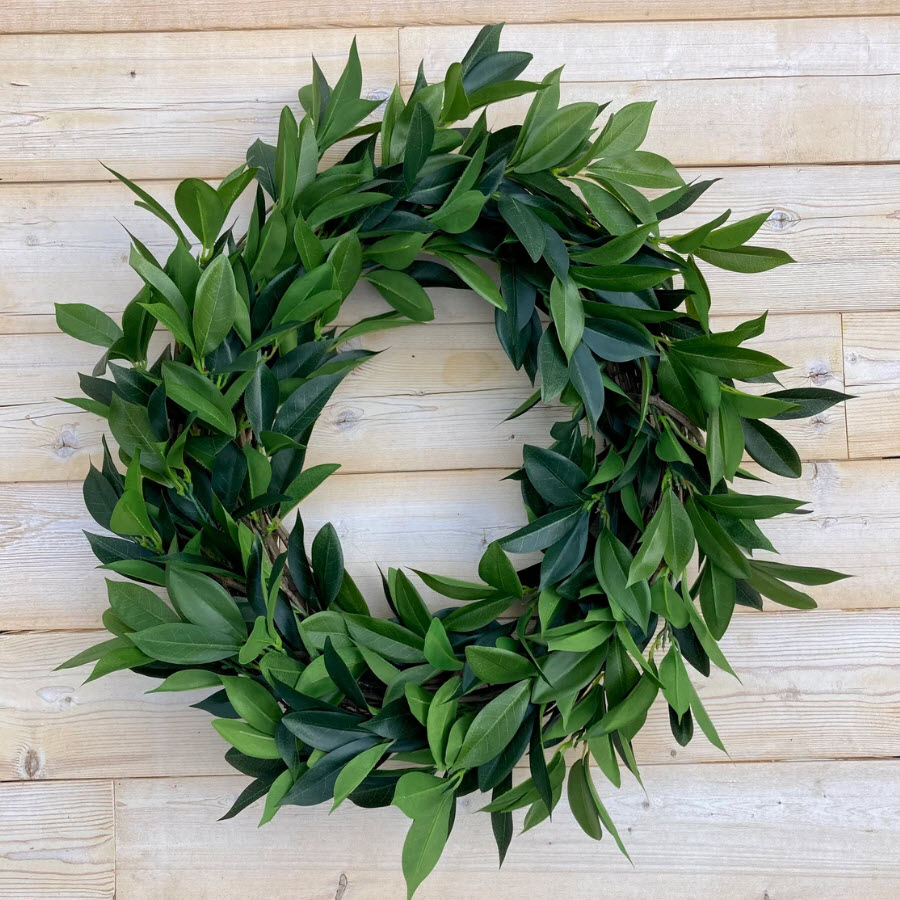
(872, 359)
(106, 791)
(827, 686)
(608, 51)
(64, 241)
(442, 522)
(24, 16)
(819, 829)
(435, 398)
(57, 839)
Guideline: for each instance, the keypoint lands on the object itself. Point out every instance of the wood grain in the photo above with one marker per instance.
(62, 242)
(442, 522)
(435, 398)
(162, 105)
(820, 685)
(818, 118)
(641, 50)
(41, 16)
(57, 840)
(872, 358)
(804, 829)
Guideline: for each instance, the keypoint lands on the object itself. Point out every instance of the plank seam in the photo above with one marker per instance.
(341, 25)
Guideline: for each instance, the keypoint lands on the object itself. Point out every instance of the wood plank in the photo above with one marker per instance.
(872, 359)
(805, 829)
(63, 242)
(752, 121)
(162, 105)
(57, 840)
(442, 523)
(40, 16)
(814, 685)
(438, 522)
(435, 398)
(663, 51)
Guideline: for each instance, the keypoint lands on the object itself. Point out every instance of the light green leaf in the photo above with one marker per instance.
(196, 393)
(85, 323)
(215, 305)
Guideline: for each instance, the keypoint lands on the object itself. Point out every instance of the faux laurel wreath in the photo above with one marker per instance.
(561, 660)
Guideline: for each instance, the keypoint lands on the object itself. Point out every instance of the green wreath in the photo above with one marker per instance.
(318, 699)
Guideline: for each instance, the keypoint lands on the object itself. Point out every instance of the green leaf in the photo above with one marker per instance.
(149, 203)
(612, 563)
(215, 305)
(581, 800)
(280, 786)
(715, 542)
(187, 680)
(497, 570)
(799, 574)
(392, 641)
(494, 726)
(424, 844)
(327, 563)
(459, 213)
(619, 250)
(85, 323)
(553, 141)
(620, 278)
(411, 607)
(557, 479)
(246, 739)
(356, 771)
(494, 665)
(724, 361)
(771, 450)
(201, 208)
(639, 168)
(130, 425)
(617, 341)
(775, 589)
(475, 277)
(717, 599)
(185, 644)
(130, 516)
(455, 588)
(809, 401)
(568, 314)
(138, 607)
(633, 707)
(252, 702)
(525, 224)
(196, 393)
(586, 375)
(744, 506)
(396, 251)
(403, 293)
(625, 130)
(418, 143)
(271, 246)
(745, 259)
(438, 650)
(476, 615)
(736, 233)
(204, 602)
(541, 533)
(312, 254)
(338, 207)
(116, 660)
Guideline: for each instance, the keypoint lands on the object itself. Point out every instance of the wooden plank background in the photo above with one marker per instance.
(107, 791)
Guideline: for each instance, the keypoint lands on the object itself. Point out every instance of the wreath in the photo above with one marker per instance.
(560, 660)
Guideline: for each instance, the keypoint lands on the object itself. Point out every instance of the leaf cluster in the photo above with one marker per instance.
(645, 544)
